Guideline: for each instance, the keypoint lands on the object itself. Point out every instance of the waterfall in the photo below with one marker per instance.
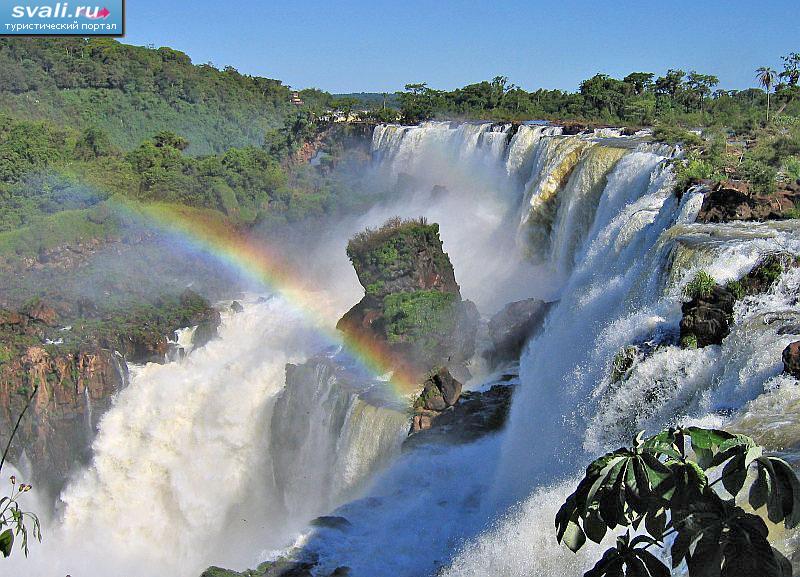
(221, 457)
(627, 246)
(198, 460)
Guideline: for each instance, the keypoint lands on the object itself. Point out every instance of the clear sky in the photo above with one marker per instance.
(380, 45)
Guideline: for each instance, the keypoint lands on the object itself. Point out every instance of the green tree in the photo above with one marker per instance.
(766, 77)
(687, 486)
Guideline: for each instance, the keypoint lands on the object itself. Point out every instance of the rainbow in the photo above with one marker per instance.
(255, 260)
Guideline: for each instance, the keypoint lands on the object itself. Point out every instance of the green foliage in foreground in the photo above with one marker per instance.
(685, 490)
(14, 521)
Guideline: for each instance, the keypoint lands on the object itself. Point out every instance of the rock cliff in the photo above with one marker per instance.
(412, 307)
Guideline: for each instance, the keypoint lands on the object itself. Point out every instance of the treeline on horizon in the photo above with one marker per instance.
(640, 98)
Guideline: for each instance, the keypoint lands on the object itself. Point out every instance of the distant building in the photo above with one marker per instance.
(296, 100)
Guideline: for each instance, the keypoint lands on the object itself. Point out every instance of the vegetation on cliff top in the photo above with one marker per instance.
(392, 250)
(419, 317)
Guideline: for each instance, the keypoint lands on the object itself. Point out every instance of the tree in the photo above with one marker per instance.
(641, 82)
(165, 138)
(766, 77)
(700, 86)
(682, 484)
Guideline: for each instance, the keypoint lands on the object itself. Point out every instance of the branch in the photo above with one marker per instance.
(16, 427)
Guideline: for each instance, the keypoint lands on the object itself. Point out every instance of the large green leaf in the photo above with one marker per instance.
(629, 559)
(568, 531)
(6, 542)
(718, 539)
(776, 486)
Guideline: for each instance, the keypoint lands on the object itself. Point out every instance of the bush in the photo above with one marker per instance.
(700, 286)
(417, 315)
(689, 342)
(676, 135)
(736, 288)
(760, 175)
(791, 168)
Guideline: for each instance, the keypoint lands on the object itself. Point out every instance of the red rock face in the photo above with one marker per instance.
(71, 393)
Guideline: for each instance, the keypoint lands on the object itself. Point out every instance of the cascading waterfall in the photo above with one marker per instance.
(635, 247)
(216, 458)
(187, 470)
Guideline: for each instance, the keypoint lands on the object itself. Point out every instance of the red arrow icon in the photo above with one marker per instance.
(104, 13)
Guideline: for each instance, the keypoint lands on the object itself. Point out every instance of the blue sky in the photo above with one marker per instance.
(378, 45)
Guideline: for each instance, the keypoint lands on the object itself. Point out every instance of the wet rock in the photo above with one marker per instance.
(791, 359)
(474, 415)
(763, 276)
(732, 200)
(706, 320)
(793, 329)
(439, 392)
(331, 522)
(510, 328)
(421, 421)
(237, 307)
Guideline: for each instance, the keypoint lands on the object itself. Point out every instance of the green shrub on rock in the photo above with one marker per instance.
(413, 316)
(700, 286)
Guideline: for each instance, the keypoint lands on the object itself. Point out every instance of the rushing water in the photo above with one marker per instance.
(217, 458)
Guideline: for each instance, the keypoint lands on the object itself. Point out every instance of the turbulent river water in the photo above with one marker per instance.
(218, 459)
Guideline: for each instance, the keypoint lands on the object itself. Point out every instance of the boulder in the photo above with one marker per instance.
(237, 307)
(791, 359)
(510, 328)
(766, 272)
(439, 391)
(331, 522)
(706, 319)
(477, 413)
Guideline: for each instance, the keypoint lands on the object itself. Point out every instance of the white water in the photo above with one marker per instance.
(185, 464)
(194, 465)
(488, 509)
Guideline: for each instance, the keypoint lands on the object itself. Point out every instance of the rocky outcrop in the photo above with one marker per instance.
(286, 566)
(412, 310)
(474, 415)
(70, 368)
(439, 392)
(512, 326)
(68, 392)
(763, 276)
(791, 359)
(706, 318)
(732, 200)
